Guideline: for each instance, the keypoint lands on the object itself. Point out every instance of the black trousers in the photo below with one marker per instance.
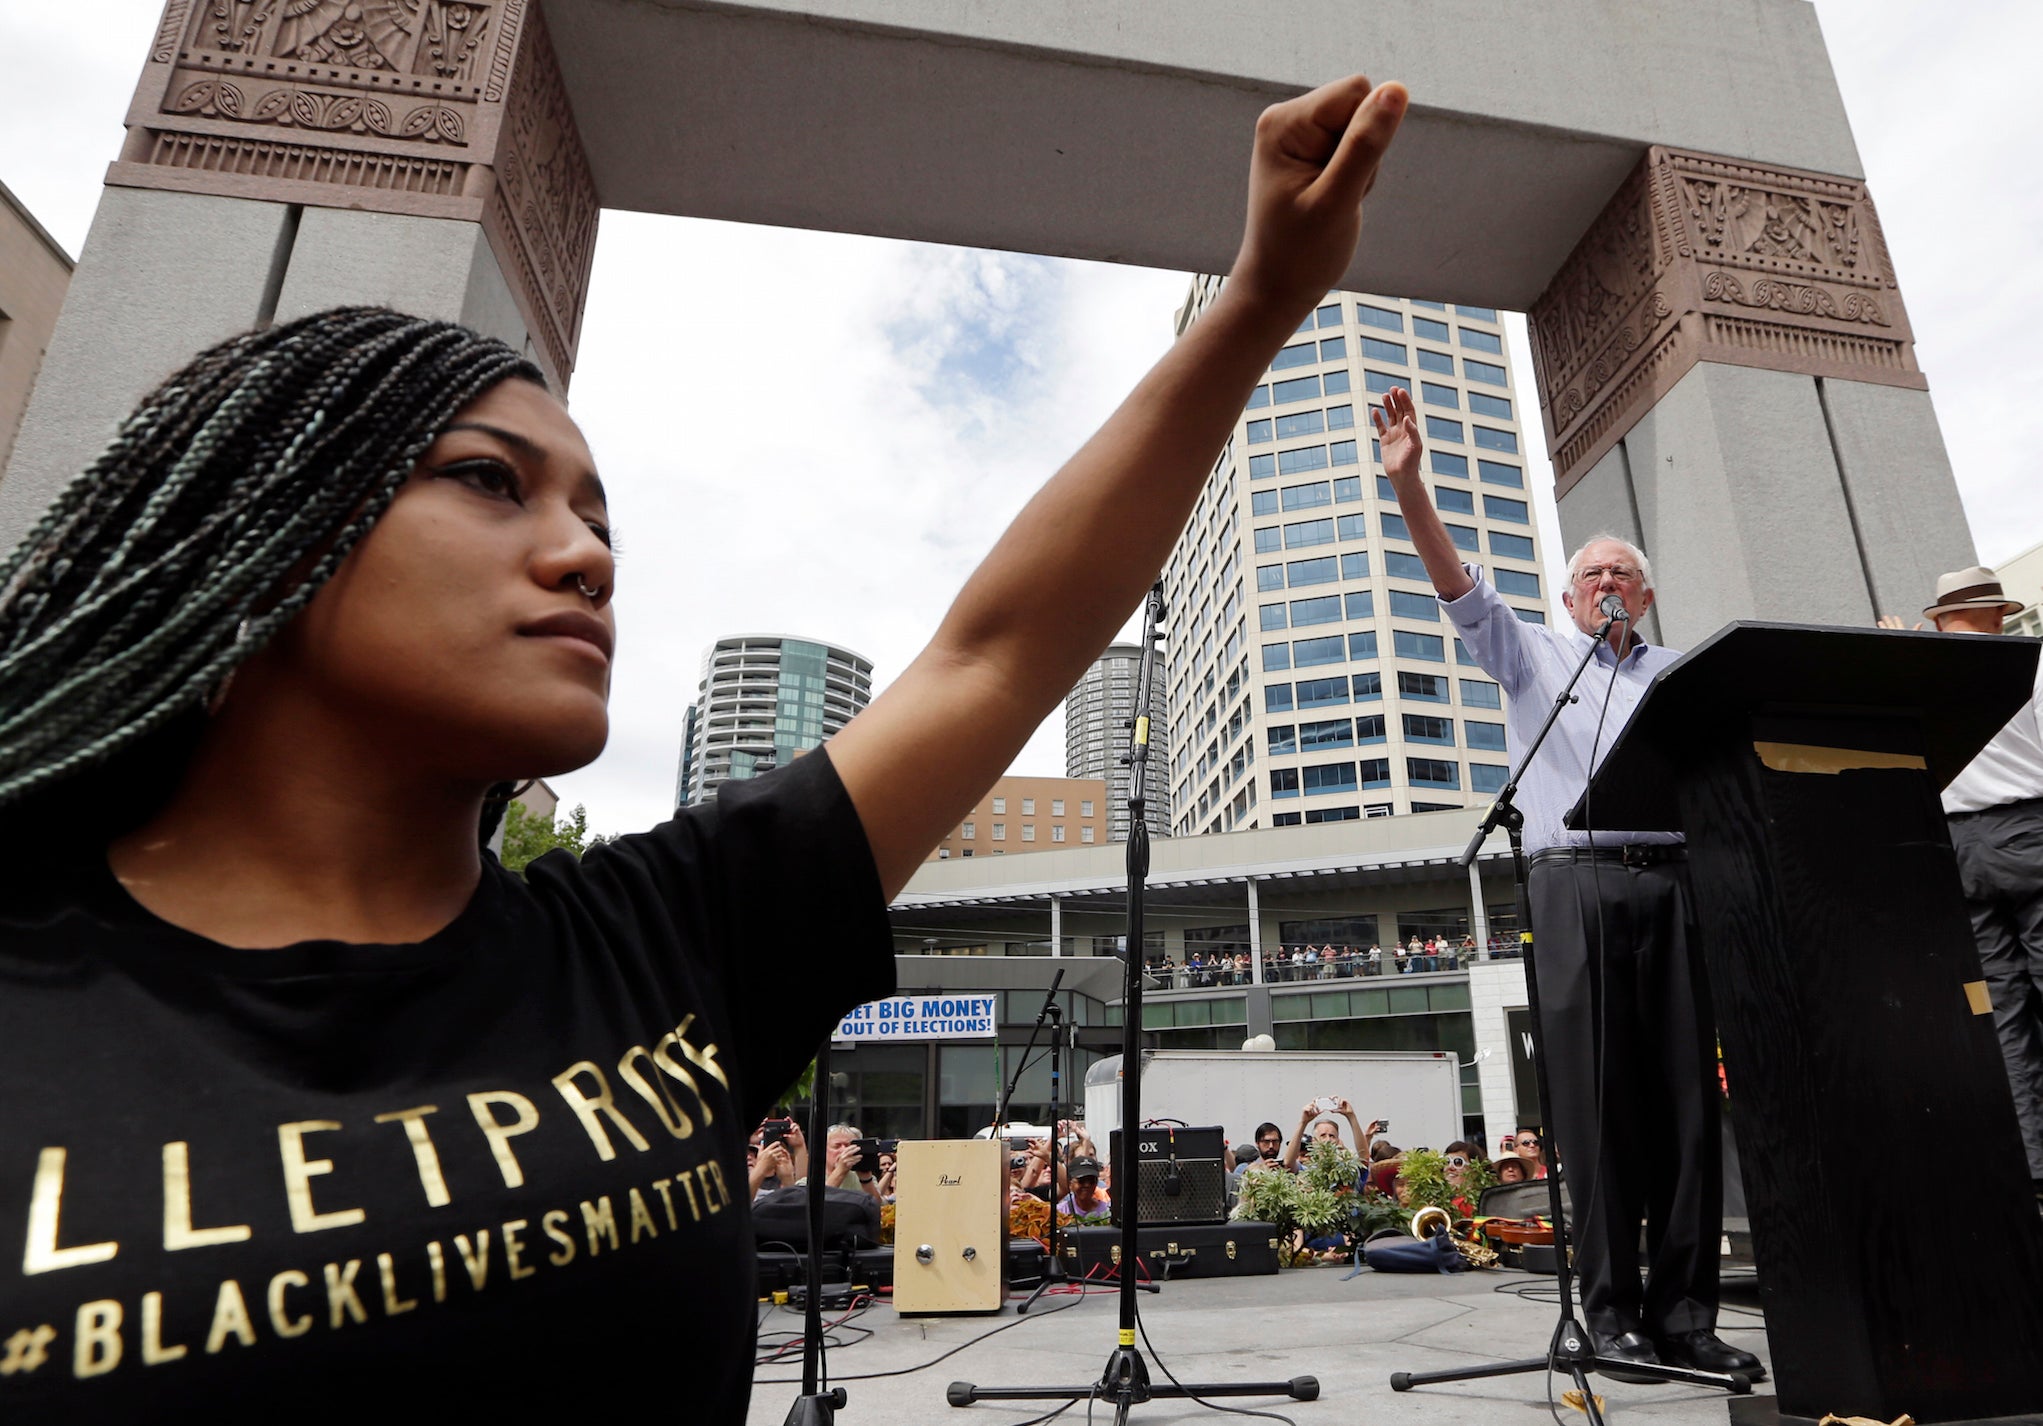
(2000, 865)
(1631, 1063)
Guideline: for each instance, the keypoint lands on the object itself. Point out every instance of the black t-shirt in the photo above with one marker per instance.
(498, 1173)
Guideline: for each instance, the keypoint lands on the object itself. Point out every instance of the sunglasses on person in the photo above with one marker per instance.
(1457, 1161)
(1528, 1141)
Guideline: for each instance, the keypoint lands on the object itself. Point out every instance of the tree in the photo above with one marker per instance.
(528, 835)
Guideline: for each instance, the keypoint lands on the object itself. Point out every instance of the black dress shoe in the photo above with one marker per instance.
(1630, 1347)
(1704, 1351)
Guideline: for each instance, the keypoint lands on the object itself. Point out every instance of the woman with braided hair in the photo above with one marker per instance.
(316, 1111)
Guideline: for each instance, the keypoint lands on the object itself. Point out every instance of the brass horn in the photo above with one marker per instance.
(1430, 1221)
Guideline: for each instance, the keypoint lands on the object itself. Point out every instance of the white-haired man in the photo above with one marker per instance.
(1624, 1016)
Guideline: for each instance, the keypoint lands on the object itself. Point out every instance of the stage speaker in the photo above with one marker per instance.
(950, 1226)
(1181, 1175)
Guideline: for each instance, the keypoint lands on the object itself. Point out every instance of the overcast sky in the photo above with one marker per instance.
(817, 434)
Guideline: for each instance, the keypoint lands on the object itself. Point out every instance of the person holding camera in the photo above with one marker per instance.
(1321, 1110)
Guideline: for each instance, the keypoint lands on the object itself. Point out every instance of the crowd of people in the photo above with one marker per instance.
(1307, 960)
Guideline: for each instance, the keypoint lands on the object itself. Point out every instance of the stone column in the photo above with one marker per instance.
(285, 157)
(1729, 380)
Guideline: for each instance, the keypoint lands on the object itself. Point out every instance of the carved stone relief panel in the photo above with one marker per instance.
(1700, 258)
(397, 106)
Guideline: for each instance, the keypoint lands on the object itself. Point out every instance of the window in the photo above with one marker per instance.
(1000, 831)
(1303, 354)
(1434, 394)
(1488, 736)
(1276, 699)
(1270, 616)
(1485, 314)
(1430, 647)
(1340, 418)
(1298, 423)
(1354, 527)
(1337, 383)
(1382, 317)
(1422, 728)
(1331, 733)
(1530, 616)
(968, 831)
(1379, 382)
(1374, 350)
(1400, 565)
(1475, 693)
(1085, 834)
(1361, 604)
(1433, 772)
(1298, 388)
(1283, 740)
(1028, 831)
(1517, 547)
(1385, 490)
(1310, 532)
(1463, 656)
(1368, 687)
(1492, 439)
(1344, 453)
(1306, 497)
(1262, 502)
(1464, 537)
(1268, 577)
(1431, 330)
(1262, 466)
(1307, 652)
(1283, 782)
(1276, 657)
(1085, 807)
(1057, 832)
(1303, 459)
(1495, 472)
(1375, 772)
(1516, 581)
(1362, 646)
(1430, 687)
(1441, 362)
(1330, 315)
(1258, 398)
(1312, 571)
(1259, 433)
(1347, 487)
(1333, 348)
(1356, 565)
(1439, 428)
(1405, 605)
(1000, 804)
(1486, 405)
(1322, 692)
(1488, 777)
(1499, 507)
(1329, 777)
(1394, 527)
(1431, 306)
(1269, 540)
(1284, 819)
(1322, 609)
(1369, 728)
(1448, 463)
(1482, 341)
(1457, 502)
(1483, 371)
(1028, 807)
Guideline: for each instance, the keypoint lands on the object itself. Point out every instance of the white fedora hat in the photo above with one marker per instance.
(1974, 588)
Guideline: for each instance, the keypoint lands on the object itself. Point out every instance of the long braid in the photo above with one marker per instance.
(220, 507)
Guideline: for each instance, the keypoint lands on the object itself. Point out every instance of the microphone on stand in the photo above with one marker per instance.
(1612, 608)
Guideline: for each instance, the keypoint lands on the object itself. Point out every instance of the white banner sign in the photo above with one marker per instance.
(920, 1017)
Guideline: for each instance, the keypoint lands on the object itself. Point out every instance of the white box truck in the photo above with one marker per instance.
(1419, 1092)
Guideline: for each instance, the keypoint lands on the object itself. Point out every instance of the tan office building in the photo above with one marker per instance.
(35, 273)
(1312, 676)
(1030, 814)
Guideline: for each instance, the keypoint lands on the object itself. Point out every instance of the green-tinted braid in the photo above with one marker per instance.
(220, 507)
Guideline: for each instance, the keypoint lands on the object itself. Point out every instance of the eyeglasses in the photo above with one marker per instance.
(1593, 573)
(1528, 1141)
(1457, 1161)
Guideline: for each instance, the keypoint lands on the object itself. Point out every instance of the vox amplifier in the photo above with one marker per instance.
(1181, 1175)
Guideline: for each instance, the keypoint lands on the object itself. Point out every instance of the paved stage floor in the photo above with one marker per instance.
(1303, 1322)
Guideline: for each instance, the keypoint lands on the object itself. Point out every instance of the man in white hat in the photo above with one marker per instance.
(1995, 809)
(1636, 1103)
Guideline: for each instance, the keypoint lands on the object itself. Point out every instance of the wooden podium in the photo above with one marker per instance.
(1804, 766)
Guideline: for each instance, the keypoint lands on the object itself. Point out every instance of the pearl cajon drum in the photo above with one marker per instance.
(950, 1226)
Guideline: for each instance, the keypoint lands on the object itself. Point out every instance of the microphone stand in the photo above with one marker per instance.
(1571, 1349)
(816, 1406)
(1125, 1379)
(1053, 1013)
